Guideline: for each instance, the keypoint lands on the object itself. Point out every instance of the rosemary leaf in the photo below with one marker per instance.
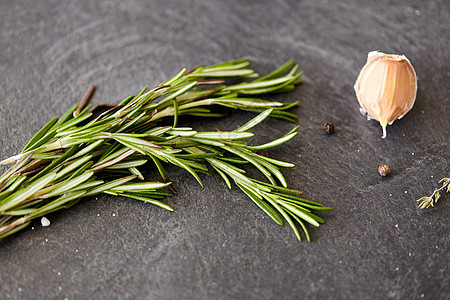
(40, 134)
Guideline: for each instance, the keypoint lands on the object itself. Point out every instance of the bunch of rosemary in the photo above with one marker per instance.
(83, 154)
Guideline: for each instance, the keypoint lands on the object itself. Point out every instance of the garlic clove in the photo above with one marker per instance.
(386, 87)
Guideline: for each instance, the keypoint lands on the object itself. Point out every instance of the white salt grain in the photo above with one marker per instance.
(45, 222)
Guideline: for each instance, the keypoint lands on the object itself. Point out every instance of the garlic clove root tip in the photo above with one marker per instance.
(384, 131)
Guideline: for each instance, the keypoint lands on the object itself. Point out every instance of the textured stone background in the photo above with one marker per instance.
(218, 244)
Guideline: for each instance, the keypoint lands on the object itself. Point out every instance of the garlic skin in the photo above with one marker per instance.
(386, 87)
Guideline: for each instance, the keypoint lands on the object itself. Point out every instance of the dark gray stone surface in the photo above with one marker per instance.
(217, 244)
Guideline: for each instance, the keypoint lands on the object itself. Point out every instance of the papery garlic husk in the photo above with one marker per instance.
(386, 87)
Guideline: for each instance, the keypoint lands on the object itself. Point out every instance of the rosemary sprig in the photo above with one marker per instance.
(426, 202)
(83, 154)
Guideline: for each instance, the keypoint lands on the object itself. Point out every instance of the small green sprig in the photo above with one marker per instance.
(83, 154)
(426, 202)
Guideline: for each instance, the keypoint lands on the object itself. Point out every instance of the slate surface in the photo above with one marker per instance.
(218, 244)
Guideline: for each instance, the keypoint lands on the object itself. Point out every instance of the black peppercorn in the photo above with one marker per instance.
(384, 170)
(328, 128)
